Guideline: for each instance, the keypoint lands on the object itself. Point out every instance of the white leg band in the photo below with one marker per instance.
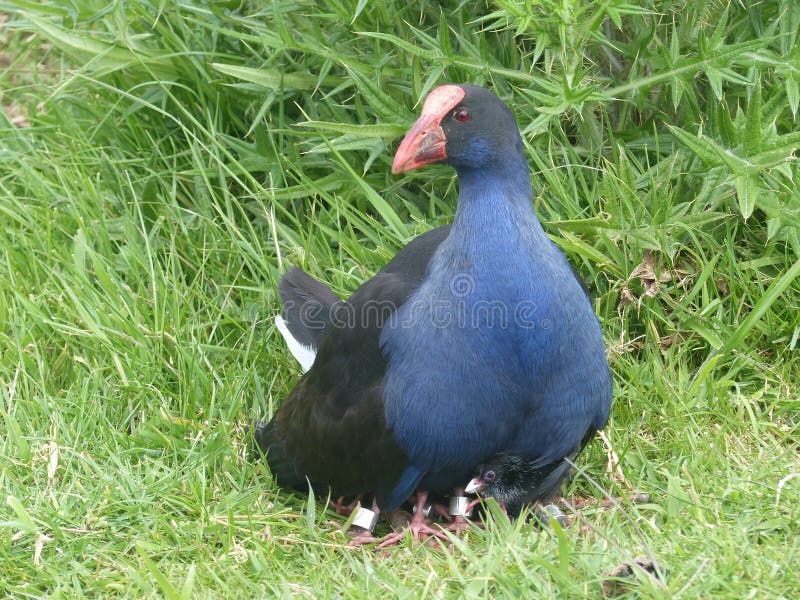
(458, 506)
(365, 518)
(426, 510)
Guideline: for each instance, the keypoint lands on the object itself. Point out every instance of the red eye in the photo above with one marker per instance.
(461, 115)
(489, 475)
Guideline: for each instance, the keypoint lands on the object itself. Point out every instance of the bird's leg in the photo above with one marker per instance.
(443, 511)
(363, 524)
(426, 510)
(417, 526)
(436, 509)
(478, 500)
(459, 510)
(346, 509)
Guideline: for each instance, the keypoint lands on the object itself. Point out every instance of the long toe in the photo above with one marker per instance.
(459, 525)
(419, 532)
(360, 536)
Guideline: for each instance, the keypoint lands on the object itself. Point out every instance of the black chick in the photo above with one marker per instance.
(515, 481)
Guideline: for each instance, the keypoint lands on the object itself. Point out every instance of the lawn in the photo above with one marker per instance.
(162, 163)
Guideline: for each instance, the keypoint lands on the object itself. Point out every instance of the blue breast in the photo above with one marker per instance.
(498, 350)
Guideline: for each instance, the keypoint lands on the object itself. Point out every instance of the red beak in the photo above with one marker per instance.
(425, 142)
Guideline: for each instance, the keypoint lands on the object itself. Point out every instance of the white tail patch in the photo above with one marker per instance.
(305, 355)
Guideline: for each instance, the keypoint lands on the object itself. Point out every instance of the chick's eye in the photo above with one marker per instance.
(461, 115)
(489, 476)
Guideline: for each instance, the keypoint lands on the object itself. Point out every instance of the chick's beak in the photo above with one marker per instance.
(425, 142)
(475, 485)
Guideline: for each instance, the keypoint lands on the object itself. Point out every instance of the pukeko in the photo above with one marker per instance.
(476, 341)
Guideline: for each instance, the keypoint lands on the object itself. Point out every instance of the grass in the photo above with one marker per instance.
(161, 164)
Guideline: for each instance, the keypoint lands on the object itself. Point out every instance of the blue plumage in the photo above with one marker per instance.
(491, 347)
(528, 375)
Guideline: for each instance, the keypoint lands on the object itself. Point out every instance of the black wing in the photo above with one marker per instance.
(331, 429)
(307, 306)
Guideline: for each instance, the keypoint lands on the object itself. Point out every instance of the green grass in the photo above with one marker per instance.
(168, 161)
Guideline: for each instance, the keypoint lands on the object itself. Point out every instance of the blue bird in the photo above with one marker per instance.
(476, 340)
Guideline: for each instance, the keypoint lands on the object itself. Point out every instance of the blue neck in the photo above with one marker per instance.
(494, 205)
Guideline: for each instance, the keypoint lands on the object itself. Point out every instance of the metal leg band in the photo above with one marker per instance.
(365, 518)
(550, 512)
(426, 510)
(458, 506)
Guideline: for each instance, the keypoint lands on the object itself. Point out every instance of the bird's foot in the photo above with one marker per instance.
(459, 525)
(437, 509)
(360, 536)
(459, 510)
(420, 531)
(418, 526)
(362, 526)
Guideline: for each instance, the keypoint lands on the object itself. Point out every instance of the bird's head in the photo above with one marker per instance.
(460, 125)
(502, 478)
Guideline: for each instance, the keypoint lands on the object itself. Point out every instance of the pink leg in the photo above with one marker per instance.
(474, 503)
(346, 509)
(418, 527)
(478, 500)
(360, 536)
(459, 521)
(442, 510)
(459, 524)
